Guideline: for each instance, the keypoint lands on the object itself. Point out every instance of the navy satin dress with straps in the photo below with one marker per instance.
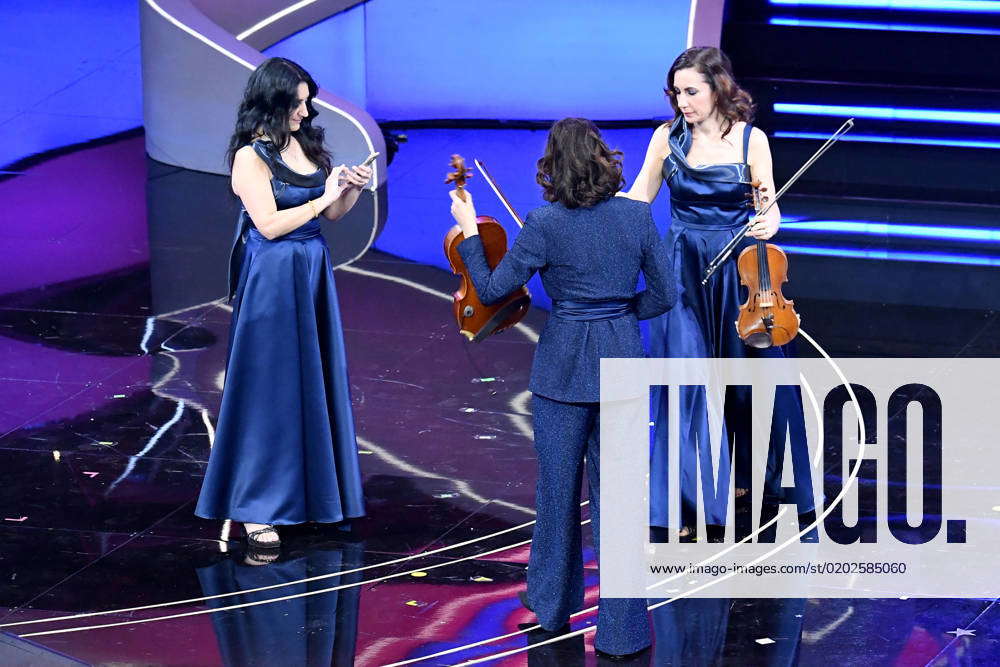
(285, 450)
(709, 205)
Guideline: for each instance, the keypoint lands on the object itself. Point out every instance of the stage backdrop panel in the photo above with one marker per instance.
(510, 59)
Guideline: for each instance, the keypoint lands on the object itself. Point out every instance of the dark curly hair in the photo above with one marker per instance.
(268, 100)
(578, 169)
(733, 103)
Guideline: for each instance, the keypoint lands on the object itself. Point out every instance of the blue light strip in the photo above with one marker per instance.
(892, 113)
(894, 255)
(898, 27)
(938, 232)
(983, 6)
(880, 139)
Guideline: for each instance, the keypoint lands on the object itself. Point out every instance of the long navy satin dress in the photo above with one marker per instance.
(285, 450)
(708, 207)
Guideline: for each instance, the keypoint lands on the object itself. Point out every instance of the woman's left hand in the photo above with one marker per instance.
(764, 227)
(464, 213)
(357, 176)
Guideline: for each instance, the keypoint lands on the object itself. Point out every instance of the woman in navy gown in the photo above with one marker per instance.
(589, 247)
(284, 449)
(708, 156)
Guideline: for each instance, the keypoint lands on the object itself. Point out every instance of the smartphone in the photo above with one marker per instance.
(370, 159)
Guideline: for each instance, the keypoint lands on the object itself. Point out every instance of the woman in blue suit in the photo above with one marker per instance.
(589, 247)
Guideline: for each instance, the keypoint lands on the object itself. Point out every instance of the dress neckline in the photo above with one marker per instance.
(277, 156)
(289, 167)
(295, 171)
(716, 164)
(713, 164)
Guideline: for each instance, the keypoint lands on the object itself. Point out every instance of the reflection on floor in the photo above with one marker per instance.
(108, 410)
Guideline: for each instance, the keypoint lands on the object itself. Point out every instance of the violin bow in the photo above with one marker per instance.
(728, 250)
(496, 189)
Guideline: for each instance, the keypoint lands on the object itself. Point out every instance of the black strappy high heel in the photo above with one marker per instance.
(253, 541)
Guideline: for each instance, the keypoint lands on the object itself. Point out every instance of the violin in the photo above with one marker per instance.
(477, 321)
(767, 318)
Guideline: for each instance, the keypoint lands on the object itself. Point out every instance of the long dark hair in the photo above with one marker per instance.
(733, 103)
(268, 100)
(578, 169)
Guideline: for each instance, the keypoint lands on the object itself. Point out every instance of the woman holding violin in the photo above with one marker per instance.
(708, 156)
(589, 247)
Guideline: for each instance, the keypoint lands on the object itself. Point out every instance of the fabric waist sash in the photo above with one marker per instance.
(307, 231)
(590, 311)
(714, 219)
(712, 228)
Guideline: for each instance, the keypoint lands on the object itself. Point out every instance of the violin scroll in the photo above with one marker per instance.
(459, 176)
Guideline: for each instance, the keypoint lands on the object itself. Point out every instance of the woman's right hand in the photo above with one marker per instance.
(334, 184)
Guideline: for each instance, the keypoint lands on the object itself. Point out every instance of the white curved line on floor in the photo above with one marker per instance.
(296, 582)
(323, 591)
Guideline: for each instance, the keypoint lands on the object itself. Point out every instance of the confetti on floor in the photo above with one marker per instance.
(962, 632)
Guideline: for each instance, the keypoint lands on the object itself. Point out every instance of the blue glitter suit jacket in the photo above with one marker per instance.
(583, 255)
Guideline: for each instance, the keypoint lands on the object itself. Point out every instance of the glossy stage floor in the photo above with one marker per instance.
(109, 398)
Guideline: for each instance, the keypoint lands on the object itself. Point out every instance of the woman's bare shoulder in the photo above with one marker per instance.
(246, 160)
(661, 139)
(246, 156)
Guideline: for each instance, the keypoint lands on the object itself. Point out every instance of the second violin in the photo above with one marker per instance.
(767, 318)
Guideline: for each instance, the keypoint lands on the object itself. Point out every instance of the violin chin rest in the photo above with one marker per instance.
(759, 340)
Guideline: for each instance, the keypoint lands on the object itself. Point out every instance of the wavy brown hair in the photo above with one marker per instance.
(732, 102)
(578, 169)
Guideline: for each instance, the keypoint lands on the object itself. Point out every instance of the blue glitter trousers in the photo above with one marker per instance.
(566, 435)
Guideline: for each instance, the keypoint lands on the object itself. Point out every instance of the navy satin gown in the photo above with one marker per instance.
(285, 449)
(708, 207)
